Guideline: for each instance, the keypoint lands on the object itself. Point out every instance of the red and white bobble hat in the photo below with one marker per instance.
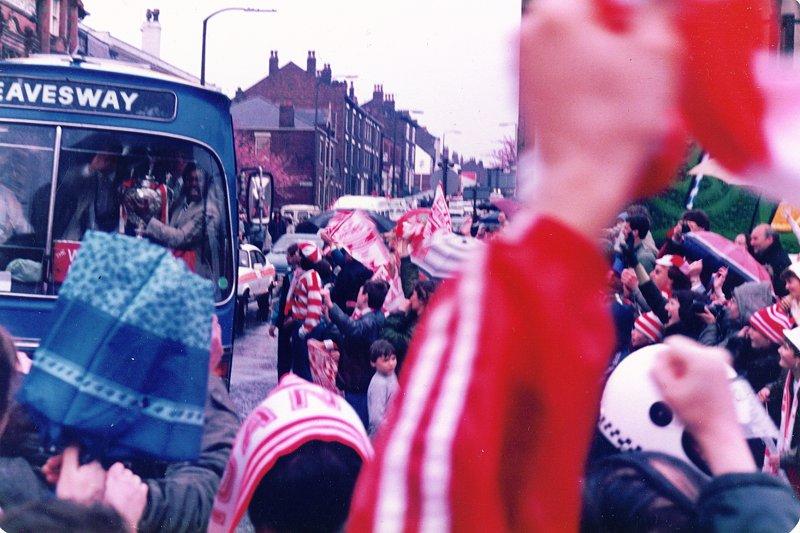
(310, 251)
(650, 326)
(669, 260)
(771, 321)
(678, 261)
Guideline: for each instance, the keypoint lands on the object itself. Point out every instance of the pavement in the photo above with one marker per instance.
(255, 358)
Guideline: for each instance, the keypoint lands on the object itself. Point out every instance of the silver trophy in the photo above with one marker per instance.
(142, 201)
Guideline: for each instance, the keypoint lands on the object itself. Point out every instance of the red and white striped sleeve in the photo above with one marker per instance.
(312, 293)
(499, 396)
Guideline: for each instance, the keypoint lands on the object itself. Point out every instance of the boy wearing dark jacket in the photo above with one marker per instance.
(356, 337)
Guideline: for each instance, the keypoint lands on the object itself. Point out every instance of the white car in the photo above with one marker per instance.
(256, 277)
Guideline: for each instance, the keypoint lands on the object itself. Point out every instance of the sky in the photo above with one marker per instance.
(454, 60)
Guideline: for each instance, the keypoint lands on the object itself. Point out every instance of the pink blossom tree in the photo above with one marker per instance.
(247, 156)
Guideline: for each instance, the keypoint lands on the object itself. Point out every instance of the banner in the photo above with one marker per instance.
(357, 233)
(438, 221)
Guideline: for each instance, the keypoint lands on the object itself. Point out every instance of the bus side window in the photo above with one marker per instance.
(26, 156)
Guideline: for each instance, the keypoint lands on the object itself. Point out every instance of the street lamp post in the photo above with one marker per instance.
(446, 163)
(205, 26)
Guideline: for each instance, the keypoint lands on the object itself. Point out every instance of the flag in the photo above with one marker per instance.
(738, 101)
(440, 214)
(438, 221)
(411, 227)
(469, 178)
(357, 233)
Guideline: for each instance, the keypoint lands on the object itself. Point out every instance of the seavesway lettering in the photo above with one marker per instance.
(100, 99)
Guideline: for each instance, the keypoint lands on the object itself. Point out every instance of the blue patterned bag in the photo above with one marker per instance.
(124, 370)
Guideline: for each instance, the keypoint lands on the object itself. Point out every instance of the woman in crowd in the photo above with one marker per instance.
(399, 326)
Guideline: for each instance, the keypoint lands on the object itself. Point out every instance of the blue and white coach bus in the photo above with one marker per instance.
(88, 144)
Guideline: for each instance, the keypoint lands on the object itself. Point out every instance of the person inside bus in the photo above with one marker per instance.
(12, 217)
(86, 196)
(169, 169)
(189, 223)
(93, 189)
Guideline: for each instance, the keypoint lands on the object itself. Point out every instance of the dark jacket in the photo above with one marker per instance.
(747, 502)
(776, 258)
(280, 315)
(758, 367)
(792, 460)
(276, 228)
(352, 276)
(20, 483)
(180, 495)
(409, 274)
(655, 300)
(356, 336)
(398, 330)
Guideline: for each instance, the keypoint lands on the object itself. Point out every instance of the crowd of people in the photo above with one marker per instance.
(329, 295)
(490, 422)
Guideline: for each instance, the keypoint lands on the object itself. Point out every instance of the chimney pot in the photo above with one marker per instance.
(151, 33)
(311, 63)
(273, 62)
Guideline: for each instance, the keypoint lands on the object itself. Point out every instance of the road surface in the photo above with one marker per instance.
(254, 364)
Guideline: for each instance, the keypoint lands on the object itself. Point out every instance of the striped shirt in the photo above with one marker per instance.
(492, 423)
(305, 301)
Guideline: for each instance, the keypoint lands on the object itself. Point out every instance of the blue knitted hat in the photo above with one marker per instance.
(124, 370)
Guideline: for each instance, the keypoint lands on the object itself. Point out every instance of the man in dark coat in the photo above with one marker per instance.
(352, 275)
(279, 316)
(768, 251)
(276, 226)
(356, 337)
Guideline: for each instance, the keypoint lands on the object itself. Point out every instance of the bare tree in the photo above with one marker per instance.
(506, 154)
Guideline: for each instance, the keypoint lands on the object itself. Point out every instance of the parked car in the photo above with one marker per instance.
(256, 278)
(277, 255)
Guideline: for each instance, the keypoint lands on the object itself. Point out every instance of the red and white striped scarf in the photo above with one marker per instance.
(788, 416)
(295, 412)
(499, 395)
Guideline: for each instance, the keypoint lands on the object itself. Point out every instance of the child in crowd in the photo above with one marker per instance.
(383, 384)
(783, 408)
(791, 302)
(647, 329)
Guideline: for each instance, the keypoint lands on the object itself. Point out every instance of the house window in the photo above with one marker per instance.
(263, 139)
(55, 17)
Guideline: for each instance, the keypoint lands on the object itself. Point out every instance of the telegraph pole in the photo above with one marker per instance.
(445, 164)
